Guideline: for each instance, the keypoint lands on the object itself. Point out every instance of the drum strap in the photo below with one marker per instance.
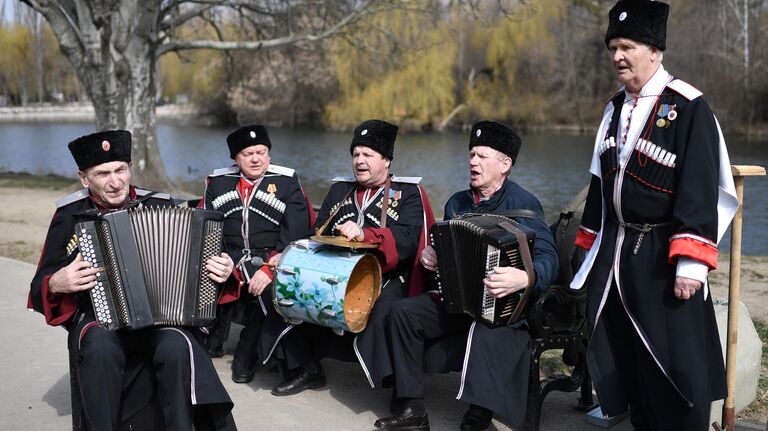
(321, 229)
(384, 208)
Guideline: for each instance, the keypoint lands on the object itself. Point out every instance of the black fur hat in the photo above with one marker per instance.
(101, 147)
(376, 134)
(246, 136)
(497, 136)
(641, 20)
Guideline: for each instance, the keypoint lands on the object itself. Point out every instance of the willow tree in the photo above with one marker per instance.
(113, 47)
(401, 71)
(519, 50)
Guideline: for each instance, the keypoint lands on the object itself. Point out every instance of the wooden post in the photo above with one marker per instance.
(734, 280)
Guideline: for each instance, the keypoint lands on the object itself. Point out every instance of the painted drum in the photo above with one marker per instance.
(326, 285)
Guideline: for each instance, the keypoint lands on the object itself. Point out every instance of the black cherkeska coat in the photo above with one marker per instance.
(668, 179)
(74, 312)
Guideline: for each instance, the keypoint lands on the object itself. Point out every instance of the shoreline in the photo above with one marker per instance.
(186, 113)
(83, 113)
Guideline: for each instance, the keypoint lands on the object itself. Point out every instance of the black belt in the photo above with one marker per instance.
(642, 228)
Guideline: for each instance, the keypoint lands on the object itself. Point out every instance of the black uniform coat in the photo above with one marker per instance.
(495, 370)
(681, 194)
(74, 312)
(278, 214)
(400, 242)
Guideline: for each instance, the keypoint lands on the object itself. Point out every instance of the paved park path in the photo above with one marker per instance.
(35, 383)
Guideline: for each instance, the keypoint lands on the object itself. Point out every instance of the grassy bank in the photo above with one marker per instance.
(25, 180)
(758, 410)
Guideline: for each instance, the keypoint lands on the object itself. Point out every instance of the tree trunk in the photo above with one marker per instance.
(112, 47)
(122, 88)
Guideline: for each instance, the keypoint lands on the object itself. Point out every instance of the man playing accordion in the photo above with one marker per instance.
(115, 370)
(495, 372)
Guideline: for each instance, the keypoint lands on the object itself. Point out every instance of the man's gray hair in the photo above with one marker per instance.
(500, 157)
(651, 48)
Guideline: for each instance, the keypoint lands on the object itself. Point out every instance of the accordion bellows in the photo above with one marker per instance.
(154, 266)
(468, 249)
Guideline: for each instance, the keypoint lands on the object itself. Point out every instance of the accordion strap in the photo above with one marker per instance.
(140, 201)
(520, 213)
(525, 253)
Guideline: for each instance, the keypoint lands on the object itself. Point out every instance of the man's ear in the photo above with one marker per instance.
(655, 54)
(507, 165)
(83, 179)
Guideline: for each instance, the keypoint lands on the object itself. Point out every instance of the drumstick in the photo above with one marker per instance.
(259, 262)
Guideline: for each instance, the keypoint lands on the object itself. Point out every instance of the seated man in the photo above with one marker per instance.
(265, 209)
(353, 209)
(495, 372)
(106, 362)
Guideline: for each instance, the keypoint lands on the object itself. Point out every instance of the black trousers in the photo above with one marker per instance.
(106, 358)
(247, 311)
(653, 402)
(305, 344)
(413, 322)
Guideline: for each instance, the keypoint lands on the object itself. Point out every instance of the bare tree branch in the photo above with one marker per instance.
(176, 45)
(169, 22)
(63, 22)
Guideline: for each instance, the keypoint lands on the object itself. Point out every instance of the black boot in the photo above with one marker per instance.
(214, 345)
(216, 351)
(411, 417)
(476, 418)
(309, 377)
(242, 373)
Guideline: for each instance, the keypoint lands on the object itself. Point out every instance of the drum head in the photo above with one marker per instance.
(363, 290)
(340, 241)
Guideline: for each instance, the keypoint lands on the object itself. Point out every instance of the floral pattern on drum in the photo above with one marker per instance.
(311, 283)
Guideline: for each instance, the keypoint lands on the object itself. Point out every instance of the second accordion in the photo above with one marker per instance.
(468, 249)
(153, 261)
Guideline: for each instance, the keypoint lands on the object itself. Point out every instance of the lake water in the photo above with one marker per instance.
(553, 167)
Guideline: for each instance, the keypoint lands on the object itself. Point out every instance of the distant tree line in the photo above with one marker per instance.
(32, 70)
(429, 66)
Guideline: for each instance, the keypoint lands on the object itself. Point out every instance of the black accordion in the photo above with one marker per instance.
(468, 249)
(153, 261)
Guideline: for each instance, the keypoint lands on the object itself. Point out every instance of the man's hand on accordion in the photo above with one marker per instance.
(219, 267)
(428, 258)
(75, 277)
(505, 280)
